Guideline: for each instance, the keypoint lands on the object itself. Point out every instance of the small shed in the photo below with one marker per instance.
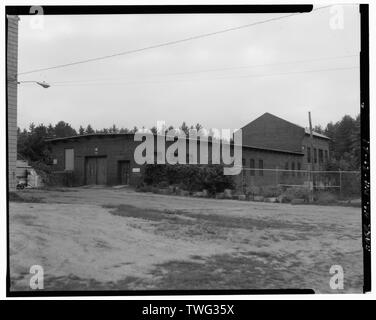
(27, 175)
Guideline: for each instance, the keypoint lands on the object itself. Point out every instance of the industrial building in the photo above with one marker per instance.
(269, 143)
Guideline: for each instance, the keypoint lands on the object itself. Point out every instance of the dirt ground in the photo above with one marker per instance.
(116, 239)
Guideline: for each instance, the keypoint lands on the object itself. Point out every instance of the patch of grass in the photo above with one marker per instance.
(102, 244)
(125, 210)
(196, 257)
(249, 223)
(251, 270)
(26, 220)
(16, 197)
(59, 189)
(208, 222)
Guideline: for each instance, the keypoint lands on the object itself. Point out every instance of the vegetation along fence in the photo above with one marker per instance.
(342, 183)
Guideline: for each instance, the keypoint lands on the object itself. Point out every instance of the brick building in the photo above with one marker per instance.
(269, 143)
(271, 132)
(301, 153)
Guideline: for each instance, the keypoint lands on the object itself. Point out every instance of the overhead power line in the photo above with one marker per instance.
(214, 69)
(221, 78)
(164, 44)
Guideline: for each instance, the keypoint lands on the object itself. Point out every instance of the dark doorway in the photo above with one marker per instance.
(124, 172)
(96, 170)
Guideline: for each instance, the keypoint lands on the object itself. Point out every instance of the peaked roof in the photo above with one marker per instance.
(314, 133)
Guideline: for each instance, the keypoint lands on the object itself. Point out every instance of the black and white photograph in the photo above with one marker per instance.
(187, 149)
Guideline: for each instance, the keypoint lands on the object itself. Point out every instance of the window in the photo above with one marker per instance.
(299, 168)
(326, 155)
(69, 159)
(261, 167)
(293, 168)
(315, 155)
(252, 166)
(321, 156)
(309, 155)
(243, 167)
(286, 168)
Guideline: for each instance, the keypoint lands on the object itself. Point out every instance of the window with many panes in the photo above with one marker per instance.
(321, 156)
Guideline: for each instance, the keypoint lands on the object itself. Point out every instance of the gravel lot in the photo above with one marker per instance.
(110, 239)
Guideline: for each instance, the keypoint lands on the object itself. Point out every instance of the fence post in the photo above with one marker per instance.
(276, 176)
(311, 184)
(340, 183)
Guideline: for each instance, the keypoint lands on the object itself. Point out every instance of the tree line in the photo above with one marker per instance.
(344, 143)
(31, 142)
(344, 146)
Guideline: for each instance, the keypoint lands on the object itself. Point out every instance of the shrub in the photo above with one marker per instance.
(182, 186)
(296, 193)
(325, 197)
(53, 179)
(189, 177)
(253, 190)
(143, 188)
(271, 191)
(163, 184)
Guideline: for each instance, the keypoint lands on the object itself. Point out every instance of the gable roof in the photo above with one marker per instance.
(306, 130)
(316, 134)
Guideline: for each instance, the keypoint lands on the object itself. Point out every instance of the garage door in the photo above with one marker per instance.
(96, 170)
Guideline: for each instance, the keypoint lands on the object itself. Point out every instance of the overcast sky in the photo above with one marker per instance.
(177, 83)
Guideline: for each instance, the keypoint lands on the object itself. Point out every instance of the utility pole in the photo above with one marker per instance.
(312, 157)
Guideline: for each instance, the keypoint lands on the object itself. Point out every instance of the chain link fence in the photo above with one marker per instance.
(344, 184)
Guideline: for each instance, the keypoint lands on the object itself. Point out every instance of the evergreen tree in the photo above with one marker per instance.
(89, 129)
(124, 130)
(81, 131)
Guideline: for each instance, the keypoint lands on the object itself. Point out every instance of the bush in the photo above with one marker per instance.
(270, 191)
(296, 193)
(143, 188)
(189, 177)
(163, 184)
(66, 179)
(253, 190)
(325, 197)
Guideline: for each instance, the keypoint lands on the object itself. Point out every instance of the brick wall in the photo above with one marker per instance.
(114, 148)
(12, 70)
(269, 131)
(119, 148)
(270, 160)
(318, 143)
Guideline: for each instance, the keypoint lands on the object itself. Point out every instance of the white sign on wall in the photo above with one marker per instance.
(136, 170)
